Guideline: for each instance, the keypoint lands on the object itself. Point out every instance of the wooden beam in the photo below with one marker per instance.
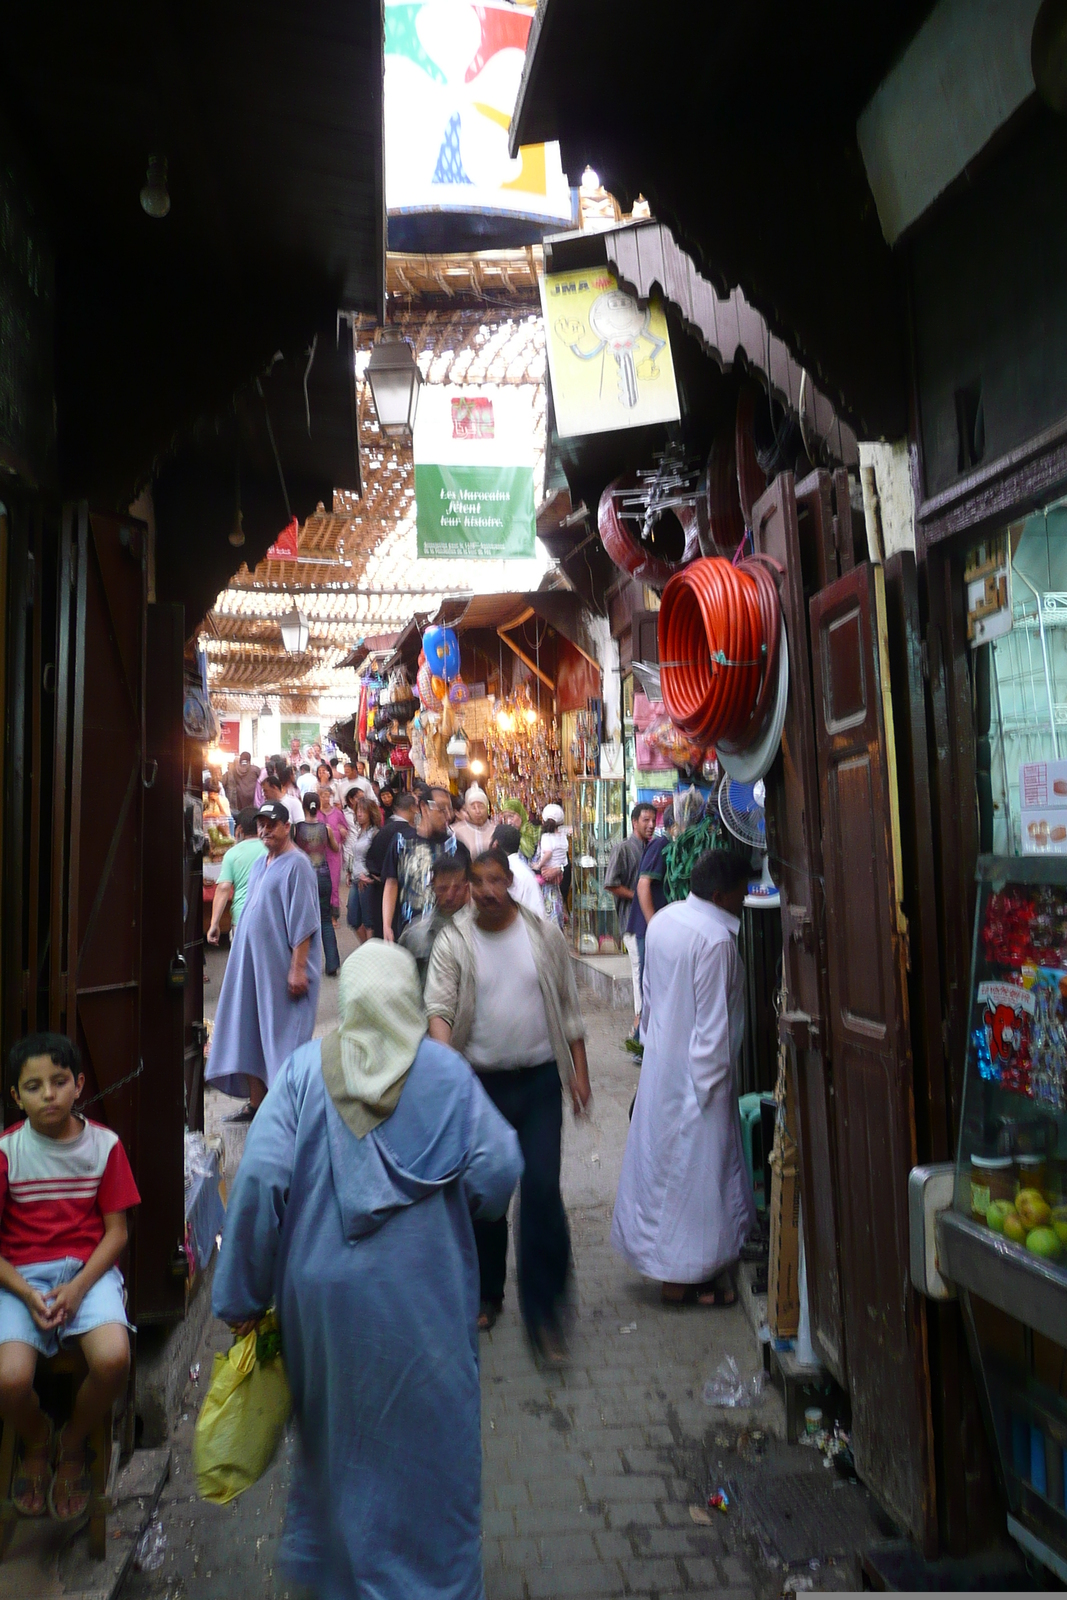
(524, 658)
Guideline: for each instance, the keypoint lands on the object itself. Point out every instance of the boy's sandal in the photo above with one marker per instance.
(29, 1481)
(77, 1487)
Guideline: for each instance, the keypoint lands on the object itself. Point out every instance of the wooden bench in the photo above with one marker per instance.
(69, 1367)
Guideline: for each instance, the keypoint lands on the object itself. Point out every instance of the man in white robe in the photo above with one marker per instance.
(685, 1205)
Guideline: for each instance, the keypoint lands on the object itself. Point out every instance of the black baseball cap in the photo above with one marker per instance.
(273, 811)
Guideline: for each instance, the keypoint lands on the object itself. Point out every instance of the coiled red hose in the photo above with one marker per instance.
(719, 630)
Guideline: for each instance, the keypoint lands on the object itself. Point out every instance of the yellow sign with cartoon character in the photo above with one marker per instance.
(609, 356)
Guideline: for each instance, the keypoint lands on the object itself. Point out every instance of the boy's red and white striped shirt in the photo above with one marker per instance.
(55, 1193)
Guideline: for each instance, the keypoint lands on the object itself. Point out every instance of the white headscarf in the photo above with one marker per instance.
(381, 1025)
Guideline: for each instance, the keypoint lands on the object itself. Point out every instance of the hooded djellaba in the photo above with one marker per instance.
(352, 1212)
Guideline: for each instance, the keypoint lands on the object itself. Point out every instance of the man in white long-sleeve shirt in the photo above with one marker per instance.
(685, 1206)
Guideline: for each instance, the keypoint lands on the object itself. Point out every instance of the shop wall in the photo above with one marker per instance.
(988, 281)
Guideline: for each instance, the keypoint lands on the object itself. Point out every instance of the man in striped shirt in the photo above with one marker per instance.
(65, 1188)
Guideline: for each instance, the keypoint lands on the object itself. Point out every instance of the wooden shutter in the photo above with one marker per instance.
(867, 943)
(795, 840)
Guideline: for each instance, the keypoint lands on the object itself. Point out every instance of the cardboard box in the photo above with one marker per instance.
(1043, 785)
(783, 1285)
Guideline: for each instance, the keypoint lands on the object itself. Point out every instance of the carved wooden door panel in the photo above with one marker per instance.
(795, 840)
(885, 1320)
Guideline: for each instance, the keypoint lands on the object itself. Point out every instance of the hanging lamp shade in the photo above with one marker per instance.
(295, 631)
(394, 380)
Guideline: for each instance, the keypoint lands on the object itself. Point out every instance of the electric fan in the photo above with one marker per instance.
(741, 809)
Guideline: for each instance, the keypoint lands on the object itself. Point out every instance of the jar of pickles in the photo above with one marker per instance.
(1031, 1172)
(992, 1178)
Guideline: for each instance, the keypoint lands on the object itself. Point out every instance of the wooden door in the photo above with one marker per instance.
(867, 947)
(160, 1285)
(795, 841)
(95, 992)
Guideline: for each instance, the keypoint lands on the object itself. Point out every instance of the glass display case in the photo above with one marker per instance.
(594, 811)
(1004, 1242)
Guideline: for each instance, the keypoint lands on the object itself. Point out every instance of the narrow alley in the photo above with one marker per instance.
(591, 1477)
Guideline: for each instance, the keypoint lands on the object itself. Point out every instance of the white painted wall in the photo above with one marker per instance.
(896, 498)
(962, 76)
(606, 650)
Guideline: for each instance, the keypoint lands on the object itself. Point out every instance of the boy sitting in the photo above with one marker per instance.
(65, 1186)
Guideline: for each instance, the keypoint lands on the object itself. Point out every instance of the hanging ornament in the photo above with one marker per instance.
(438, 686)
(442, 652)
(424, 685)
(458, 693)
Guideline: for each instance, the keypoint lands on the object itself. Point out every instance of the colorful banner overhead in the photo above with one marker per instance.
(609, 357)
(474, 474)
(452, 73)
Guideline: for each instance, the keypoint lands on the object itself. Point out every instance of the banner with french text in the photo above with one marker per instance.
(474, 495)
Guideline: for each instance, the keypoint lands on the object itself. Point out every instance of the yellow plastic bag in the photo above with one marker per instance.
(243, 1415)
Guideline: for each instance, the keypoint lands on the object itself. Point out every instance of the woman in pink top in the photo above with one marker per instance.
(333, 816)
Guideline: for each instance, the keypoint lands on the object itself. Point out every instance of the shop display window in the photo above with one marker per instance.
(594, 813)
(1011, 1176)
(1016, 588)
(1013, 1146)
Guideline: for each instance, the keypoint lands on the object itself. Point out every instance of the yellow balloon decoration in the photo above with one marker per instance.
(439, 687)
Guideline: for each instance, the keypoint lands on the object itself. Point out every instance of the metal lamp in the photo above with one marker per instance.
(394, 380)
(295, 630)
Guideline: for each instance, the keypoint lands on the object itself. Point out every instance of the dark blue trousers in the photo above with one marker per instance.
(531, 1098)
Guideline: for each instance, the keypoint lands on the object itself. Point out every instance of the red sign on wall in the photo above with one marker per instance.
(230, 737)
(284, 547)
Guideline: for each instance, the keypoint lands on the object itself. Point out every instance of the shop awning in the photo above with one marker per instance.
(644, 255)
(738, 125)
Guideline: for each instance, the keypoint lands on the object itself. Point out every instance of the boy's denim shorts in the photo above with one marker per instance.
(105, 1302)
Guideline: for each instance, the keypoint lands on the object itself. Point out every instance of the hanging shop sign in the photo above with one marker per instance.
(299, 738)
(461, 65)
(286, 546)
(474, 474)
(609, 356)
(987, 576)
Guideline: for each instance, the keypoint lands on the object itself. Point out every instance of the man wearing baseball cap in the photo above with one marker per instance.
(270, 992)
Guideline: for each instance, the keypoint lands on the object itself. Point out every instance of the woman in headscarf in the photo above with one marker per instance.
(352, 1212)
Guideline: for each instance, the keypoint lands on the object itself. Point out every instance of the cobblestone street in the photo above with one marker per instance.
(589, 1474)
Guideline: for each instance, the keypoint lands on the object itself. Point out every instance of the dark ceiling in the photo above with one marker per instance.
(737, 123)
(270, 117)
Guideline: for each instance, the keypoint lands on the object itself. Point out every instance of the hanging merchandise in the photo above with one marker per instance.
(721, 649)
(653, 522)
(441, 648)
(523, 751)
(458, 693)
(424, 686)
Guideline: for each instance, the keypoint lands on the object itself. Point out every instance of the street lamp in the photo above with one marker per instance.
(294, 628)
(394, 380)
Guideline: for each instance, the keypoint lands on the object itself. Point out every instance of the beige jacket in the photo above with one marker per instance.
(451, 983)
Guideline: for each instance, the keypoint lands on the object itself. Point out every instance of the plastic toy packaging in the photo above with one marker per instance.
(1002, 1042)
(679, 750)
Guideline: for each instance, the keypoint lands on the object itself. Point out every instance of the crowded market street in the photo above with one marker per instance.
(588, 1474)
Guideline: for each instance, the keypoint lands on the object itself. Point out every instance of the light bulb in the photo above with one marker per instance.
(477, 767)
(155, 196)
(531, 715)
(237, 532)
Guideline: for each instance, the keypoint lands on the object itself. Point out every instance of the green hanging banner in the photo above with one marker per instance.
(474, 494)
